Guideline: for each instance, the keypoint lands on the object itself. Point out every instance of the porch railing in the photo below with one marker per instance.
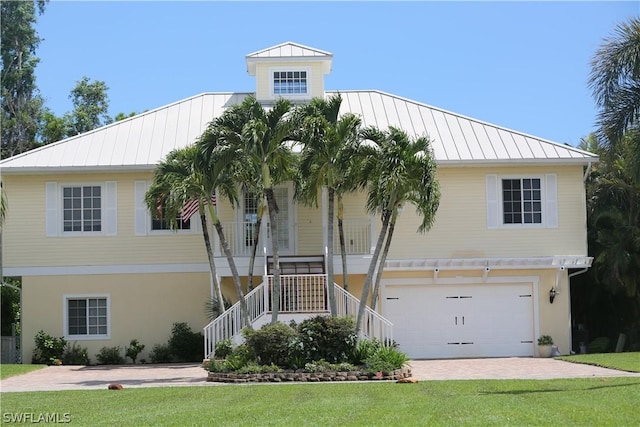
(299, 294)
(240, 237)
(357, 236)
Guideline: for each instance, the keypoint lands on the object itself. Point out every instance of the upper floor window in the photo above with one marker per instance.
(159, 221)
(289, 82)
(76, 209)
(82, 208)
(522, 201)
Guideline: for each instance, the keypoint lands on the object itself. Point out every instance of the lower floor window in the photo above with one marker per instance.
(87, 316)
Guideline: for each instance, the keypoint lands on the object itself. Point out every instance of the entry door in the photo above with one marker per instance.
(285, 232)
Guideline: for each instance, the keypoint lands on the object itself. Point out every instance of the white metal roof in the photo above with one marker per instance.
(140, 142)
(289, 51)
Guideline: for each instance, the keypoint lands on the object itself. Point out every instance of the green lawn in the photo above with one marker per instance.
(9, 369)
(586, 401)
(629, 361)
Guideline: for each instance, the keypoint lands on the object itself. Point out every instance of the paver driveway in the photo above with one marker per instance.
(98, 377)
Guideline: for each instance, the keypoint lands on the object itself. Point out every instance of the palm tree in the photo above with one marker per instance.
(329, 146)
(397, 170)
(261, 138)
(615, 80)
(183, 177)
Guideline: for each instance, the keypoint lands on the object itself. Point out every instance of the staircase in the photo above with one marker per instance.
(301, 294)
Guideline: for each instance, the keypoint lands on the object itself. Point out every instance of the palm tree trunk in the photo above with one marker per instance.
(343, 246)
(372, 267)
(275, 286)
(212, 265)
(330, 280)
(385, 252)
(254, 250)
(244, 313)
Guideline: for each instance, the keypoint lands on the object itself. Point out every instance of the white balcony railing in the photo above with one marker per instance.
(301, 293)
(357, 236)
(240, 237)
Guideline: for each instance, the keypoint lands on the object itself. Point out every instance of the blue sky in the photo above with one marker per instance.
(521, 65)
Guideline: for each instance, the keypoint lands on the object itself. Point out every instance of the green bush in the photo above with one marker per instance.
(364, 349)
(49, 350)
(215, 365)
(186, 345)
(110, 356)
(75, 355)
(133, 350)
(328, 337)
(223, 349)
(160, 353)
(385, 360)
(271, 344)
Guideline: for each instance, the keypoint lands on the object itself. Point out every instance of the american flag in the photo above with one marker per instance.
(191, 207)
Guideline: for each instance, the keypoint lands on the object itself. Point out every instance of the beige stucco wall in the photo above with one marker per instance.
(143, 307)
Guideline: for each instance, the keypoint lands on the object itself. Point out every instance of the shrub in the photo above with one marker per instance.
(186, 345)
(364, 350)
(133, 350)
(110, 356)
(216, 366)
(160, 353)
(385, 360)
(328, 337)
(271, 344)
(240, 356)
(545, 340)
(223, 349)
(75, 355)
(49, 350)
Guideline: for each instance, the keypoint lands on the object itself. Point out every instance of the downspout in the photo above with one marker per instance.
(584, 270)
(587, 172)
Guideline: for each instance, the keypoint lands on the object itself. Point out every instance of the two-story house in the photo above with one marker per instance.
(489, 278)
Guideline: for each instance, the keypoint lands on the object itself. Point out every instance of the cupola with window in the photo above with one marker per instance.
(289, 70)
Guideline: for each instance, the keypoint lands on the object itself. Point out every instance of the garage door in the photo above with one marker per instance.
(471, 320)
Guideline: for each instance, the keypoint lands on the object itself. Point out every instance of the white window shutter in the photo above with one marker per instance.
(51, 208)
(492, 201)
(111, 208)
(551, 200)
(141, 208)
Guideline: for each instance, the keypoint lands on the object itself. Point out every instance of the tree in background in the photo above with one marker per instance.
(21, 101)
(90, 106)
(615, 80)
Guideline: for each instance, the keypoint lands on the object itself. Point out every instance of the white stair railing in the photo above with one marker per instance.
(300, 294)
(229, 324)
(373, 324)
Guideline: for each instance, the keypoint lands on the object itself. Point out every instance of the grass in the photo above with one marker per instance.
(9, 370)
(584, 401)
(629, 361)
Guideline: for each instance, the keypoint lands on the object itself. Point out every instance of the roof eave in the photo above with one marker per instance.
(519, 162)
(40, 170)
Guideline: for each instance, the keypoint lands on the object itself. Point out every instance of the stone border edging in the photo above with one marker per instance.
(276, 377)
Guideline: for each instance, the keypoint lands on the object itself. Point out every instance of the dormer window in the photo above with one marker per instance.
(289, 82)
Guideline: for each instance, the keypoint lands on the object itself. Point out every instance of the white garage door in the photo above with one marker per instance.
(475, 320)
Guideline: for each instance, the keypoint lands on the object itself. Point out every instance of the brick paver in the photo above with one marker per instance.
(130, 376)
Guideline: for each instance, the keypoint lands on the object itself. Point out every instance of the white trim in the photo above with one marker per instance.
(54, 208)
(550, 213)
(51, 208)
(532, 263)
(82, 270)
(493, 217)
(141, 225)
(521, 225)
(65, 314)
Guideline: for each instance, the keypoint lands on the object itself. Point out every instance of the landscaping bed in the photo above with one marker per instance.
(297, 376)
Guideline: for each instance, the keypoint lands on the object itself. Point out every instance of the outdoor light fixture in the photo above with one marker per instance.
(552, 295)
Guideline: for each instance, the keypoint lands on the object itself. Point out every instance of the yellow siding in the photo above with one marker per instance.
(143, 307)
(310, 231)
(460, 229)
(26, 243)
